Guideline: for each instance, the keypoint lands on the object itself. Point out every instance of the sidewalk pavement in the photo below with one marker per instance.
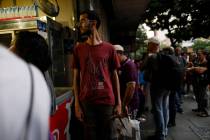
(188, 125)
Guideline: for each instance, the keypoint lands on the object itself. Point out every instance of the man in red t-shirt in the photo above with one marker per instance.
(95, 67)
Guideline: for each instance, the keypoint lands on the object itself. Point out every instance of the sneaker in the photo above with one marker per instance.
(142, 119)
(180, 110)
(203, 114)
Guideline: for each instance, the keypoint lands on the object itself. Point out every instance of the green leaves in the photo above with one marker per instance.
(184, 19)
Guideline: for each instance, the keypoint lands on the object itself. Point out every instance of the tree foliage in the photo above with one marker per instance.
(184, 19)
(141, 36)
(201, 43)
(140, 45)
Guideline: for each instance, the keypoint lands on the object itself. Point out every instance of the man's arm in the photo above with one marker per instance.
(78, 111)
(117, 95)
(130, 89)
(200, 70)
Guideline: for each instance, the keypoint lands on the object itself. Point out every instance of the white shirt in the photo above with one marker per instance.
(15, 91)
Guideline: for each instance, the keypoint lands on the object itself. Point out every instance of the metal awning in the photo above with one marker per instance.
(128, 13)
(124, 17)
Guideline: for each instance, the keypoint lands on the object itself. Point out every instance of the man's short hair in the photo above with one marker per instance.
(92, 15)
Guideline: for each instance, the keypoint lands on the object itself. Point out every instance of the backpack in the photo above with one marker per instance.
(170, 73)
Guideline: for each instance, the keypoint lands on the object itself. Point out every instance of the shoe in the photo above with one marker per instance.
(203, 114)
(146, 109)
(141, 119)
(144, 116)
(180, 111)
(154, 137)
(171, 125)
(195, 110)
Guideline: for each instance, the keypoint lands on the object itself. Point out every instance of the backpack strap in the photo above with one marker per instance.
(28, 117)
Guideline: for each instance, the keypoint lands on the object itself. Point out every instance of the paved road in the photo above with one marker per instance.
(188, 125)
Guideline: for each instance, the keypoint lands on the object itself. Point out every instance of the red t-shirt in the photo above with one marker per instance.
(96, 64)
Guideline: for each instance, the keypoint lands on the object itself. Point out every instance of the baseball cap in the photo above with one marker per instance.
(154, 40)
(118, 48)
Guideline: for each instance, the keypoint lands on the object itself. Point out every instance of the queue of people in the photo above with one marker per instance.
(106, 83)
(165, 103)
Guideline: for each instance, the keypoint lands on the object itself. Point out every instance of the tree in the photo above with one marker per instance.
(140, 45)
(183, 19)
(201, 43)
(141, 36)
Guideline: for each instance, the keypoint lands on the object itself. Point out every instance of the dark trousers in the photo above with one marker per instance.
(97, 121)
(141, 108)
(200, 96)
(172, 107)
(76, 127)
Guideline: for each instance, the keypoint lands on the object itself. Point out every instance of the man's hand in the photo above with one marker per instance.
(118, 110)
(125, 110)
(79, 113)
(200, 70)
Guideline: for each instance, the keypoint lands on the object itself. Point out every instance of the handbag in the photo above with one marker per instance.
(124, 128)
(136, 135)
(121, 128)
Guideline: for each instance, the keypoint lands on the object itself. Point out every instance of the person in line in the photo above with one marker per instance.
(159, 95)
(142, 92)
(33, 48)
(189, 76)
(180, 91)
(128, 76)
(95, 81)
(200, 83)
(172, 96)
(16, 93)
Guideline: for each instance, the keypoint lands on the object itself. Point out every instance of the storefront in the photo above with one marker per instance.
(17, 18)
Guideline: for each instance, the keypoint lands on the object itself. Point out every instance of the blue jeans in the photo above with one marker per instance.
(160, 102)
(178, 100)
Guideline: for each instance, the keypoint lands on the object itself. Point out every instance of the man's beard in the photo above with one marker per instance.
(82, 37)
